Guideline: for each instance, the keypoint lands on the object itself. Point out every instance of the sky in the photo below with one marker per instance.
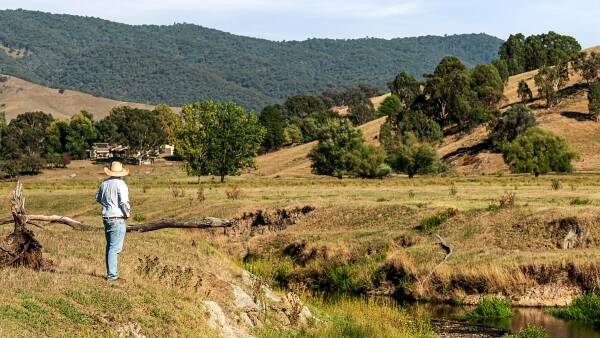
(302, 19)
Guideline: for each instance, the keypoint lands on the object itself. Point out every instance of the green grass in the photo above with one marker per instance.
(530, 331)
(428, 224)
(580, 201)
(356, 318)
(584, 309)
(490, 308)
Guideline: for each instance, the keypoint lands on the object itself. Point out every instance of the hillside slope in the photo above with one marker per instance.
(181, 63)
(568, 119)
(293, 161)
(18, 96)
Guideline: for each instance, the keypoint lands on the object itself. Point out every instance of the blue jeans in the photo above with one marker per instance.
(114, 231)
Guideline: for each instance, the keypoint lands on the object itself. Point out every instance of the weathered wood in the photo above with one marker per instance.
(203, 223)
(207, 222)
(20, 248)
(447, 247)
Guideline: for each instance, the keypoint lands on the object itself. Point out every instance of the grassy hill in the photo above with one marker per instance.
(179, 63)
(18, 96)
(568, 119)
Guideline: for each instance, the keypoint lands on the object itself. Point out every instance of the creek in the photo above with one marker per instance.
(522, 316)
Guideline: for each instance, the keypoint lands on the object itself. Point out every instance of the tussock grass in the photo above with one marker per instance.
(530, 331)
(357, 318)
(584, 309)
(490, 308)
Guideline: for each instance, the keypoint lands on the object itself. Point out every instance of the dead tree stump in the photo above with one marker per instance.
(20, 248)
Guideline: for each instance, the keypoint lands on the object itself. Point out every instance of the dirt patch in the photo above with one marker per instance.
(271, 220)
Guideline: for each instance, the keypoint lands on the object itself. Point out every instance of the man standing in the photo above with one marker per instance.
(113, 195)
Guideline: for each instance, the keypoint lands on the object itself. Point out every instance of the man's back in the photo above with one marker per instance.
(113, 195)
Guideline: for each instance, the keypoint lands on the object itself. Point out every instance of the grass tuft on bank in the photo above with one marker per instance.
(490, 308)
(356, 318)
(584, 309)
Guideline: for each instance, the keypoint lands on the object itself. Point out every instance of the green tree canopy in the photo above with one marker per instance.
(218, 139)
(407, 155)
(502, 68)
(26, 135)
(81, 132)
(169, 122)
(549, 80)
(588, 65)
(538, 152)
(487, 84)
(338, 150)
(405, 87)
(303, 105)
(362, 112)
(390, 106)
(514, 122)
(594, 99)
(272, 120)
(524, 54)
(524, 92)
(139, 129)
(412, 121)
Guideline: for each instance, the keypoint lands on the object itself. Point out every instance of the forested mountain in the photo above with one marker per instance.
(184, 62)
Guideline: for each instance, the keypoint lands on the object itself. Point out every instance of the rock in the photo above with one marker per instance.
(130, 330)
(243, 301)
(218, 322)
(270, 294)
(73, 175)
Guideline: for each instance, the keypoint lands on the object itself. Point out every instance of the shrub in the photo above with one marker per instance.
(490, 307)
(507, 200)
(369, 162)
(580, 201)
(338, 150)
(555, 184)
(538, 152)
(530, 331)
(384, 170)
(428, 224)
(524, 92)
(514, 122)
(139, 217)
(407, 155)
(585, 309)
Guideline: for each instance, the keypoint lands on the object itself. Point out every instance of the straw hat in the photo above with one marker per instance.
(116, 170)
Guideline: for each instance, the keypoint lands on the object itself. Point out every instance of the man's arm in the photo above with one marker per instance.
(124, 200)
(99, 193)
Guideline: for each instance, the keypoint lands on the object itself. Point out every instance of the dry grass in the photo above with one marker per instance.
(21, 96)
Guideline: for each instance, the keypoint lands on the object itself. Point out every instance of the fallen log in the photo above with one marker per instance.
(207, 222)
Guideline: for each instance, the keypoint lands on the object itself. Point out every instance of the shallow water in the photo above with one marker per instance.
(522, 316)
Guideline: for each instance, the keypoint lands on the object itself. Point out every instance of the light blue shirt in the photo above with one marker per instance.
(113, 195)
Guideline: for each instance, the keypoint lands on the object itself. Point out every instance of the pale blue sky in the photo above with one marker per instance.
(301, 19)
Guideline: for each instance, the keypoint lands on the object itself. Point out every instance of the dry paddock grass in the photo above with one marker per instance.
(506, 250)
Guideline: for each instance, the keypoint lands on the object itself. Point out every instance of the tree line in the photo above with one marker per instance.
(454, 99)
(221, 139)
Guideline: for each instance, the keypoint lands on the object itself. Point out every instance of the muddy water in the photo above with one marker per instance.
(556, 328)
